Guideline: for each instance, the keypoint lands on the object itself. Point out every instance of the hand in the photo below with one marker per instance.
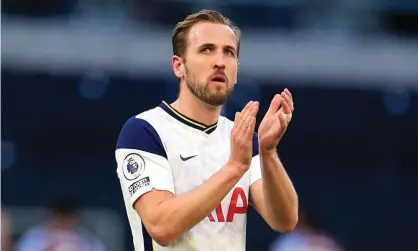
(242, 136)
(275, 122)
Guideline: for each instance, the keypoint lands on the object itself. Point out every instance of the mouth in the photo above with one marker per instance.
(219, 79)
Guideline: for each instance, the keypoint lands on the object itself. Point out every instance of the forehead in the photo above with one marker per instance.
(211, 33)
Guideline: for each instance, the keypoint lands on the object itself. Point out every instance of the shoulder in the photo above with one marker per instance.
(36, 231)
(28, 239)
(91, 240)
(145, 119)
(139, 133)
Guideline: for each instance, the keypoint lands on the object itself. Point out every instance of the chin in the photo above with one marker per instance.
(218, 100)
(216, 103)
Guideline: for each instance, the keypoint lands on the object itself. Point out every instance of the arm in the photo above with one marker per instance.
(166, 216)
(274, 195)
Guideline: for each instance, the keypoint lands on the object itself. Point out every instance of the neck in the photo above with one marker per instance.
(195, 109)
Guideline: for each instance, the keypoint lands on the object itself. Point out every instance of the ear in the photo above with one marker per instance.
(236, 77)
(178, 66)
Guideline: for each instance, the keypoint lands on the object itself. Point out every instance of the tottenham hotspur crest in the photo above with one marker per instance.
(133, 166)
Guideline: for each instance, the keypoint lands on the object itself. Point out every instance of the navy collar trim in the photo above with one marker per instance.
(186, 120)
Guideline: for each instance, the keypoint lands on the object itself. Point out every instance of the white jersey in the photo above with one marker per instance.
(164, 150)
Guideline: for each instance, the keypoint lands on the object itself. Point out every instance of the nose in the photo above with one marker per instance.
(220, 61)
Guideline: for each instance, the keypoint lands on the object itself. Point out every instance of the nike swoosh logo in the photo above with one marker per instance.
(186, 158)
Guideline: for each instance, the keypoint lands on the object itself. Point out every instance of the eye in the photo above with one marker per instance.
(206, 50)
(230, 52)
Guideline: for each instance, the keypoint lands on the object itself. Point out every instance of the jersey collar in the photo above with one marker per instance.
(186, 120)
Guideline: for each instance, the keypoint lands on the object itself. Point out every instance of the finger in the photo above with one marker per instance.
(250, 130)
(288, 93)
(239, 115)
(288, 100)
(248, 113)
(283, 121)
(237, 118)
(275, 104)
(255, 110)
(251, 115)
(286, 107)
(247, 107)
(244, 111)
(244, 124)
(288, 117)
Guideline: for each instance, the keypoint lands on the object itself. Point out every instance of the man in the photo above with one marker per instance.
(59, 232)
(6, 243)
(187, 173)
(307, 236)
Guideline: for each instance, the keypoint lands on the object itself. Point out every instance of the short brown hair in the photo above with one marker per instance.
(181, 30)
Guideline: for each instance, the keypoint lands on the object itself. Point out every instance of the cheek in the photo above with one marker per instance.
(232, 74)
(195, 69)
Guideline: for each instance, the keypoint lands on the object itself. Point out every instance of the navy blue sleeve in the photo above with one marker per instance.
(139, 134)
(255, 145)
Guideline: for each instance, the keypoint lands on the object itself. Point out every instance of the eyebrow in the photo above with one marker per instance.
(213, 45)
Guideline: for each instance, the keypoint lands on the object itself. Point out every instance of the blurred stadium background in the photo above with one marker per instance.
(74, 71)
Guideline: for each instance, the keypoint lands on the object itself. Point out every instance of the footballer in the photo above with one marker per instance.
(188, 174)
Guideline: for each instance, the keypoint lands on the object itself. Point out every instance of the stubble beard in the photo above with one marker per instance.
(203, 92)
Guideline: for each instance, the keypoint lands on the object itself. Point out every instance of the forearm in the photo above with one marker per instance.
(181, 213)
(280, 197)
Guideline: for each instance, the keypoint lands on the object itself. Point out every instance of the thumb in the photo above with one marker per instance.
(275, 104)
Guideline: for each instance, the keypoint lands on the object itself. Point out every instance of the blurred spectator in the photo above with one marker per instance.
(6, 231)
(307, 236)
(60, 232)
